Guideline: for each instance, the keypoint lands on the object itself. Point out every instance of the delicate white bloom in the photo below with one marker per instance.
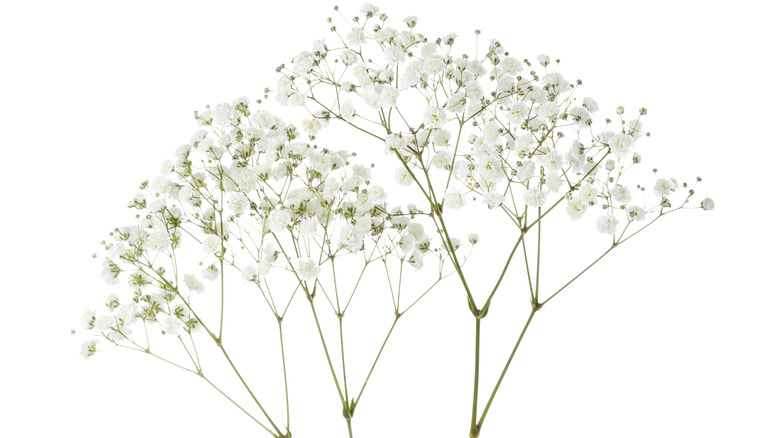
(518, 112)
(454, 199)
(193, 283)
(350, 238)
(416, 259)
(493, 199)
(88, 319)
(543, 59)
(238, 203)
(307, 269)
(211, 244)
(535, 197)
(707, 204)
(590, 104)
(88, 348)
(620, 144)
(473, 238)
(621, 194)
(278, 220)
(356, 37)
(442, 159)
(348, 110)
(104, 322)
(210, 273)
(158, 241)
(576, 208)
(548, 110)
(434, 117)
(607, 224)
(128, 313)
(588, 193)
(635, 212)
(172, 325)
(395, 54)
(664, 187)
(249, 273)
(156, 205)
(110, 272)
(308, 226)
(403, 177)
(263, 267)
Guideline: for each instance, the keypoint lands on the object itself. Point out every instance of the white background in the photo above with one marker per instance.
(674, 335)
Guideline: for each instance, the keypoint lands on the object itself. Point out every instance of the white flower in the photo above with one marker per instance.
(307, 269)
(576, 208)
(620, 144)
(263, 267)
(211, 244)
(171, 325)
(403, 177)
(621, 194)
(210, 273)
(88, 348)
(278, 220)
(434, 117)
(193, 283)
(473, 238)
(128, 313)
(493, 199)
(607, 224)
(664, 186)
(543, 59)
(548, 110)
(454, 199)
(416, 259)
(635, 212)
(308, 227)
(395, 54)
(441, 159)
(104, 322)
(158, 241)
(238, 203)
(535, 197)
(249, 273)
(356, 37)
(707, 204)
(88, 319)
(590, 104)
(347, 110)
(588, 193)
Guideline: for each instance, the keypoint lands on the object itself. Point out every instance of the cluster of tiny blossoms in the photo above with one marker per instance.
(509, 132)
(256, 197)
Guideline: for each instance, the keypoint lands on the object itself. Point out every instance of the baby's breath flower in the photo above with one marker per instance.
(607, 224)
(211, 244)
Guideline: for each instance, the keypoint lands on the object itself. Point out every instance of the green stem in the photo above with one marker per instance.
(377, 359)
(284, 369)
(474, 427)
(237, 405)
(249, 390)
(506, 367)
(327, 355)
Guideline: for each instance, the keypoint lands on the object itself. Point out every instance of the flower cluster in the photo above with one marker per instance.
(256, 196)
(510, 132)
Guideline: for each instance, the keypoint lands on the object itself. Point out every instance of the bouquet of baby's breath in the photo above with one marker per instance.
(252, 197)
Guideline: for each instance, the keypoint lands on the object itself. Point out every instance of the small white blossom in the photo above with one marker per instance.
(707, 204)
(607, 224)
(307, 269)
(454, 199)
(211, 244)
(576, 208)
